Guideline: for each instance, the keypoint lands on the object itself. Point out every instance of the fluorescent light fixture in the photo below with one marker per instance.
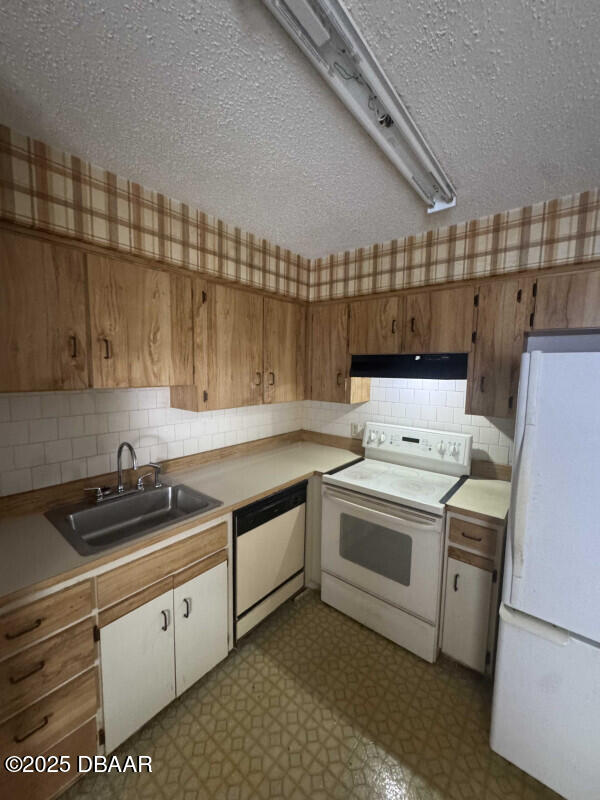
(326, 33)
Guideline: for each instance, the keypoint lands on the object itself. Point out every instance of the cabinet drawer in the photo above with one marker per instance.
(81, 742)
(473, 536)
(44, 724)
(27, 624)
(36, 671)
(130, 578)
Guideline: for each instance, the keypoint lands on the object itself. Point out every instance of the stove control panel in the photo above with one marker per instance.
(440, 451)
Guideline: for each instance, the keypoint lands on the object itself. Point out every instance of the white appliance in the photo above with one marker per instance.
(383, 530)
(546, 708)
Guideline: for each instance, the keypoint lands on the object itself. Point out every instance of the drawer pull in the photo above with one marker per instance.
(35, 625)
(188, 607)
(38, 667)
(472, 538)
(19, 739)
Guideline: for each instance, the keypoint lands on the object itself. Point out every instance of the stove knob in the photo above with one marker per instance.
(454, 451)
(441, 448)
(371, 437)
(381, 438)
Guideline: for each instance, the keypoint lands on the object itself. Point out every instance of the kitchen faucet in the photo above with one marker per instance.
(120, 487)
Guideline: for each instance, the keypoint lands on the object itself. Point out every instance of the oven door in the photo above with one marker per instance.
(390, 551)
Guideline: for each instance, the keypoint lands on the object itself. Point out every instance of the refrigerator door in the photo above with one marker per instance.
(555, 508)
(547, 705)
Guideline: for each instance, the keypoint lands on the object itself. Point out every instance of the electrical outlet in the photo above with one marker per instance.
(356, 430)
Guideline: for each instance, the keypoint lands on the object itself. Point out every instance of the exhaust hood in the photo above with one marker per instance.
(440, 366)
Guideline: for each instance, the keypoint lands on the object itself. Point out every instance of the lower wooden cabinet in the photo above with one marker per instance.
(467, 614)
(155, 652)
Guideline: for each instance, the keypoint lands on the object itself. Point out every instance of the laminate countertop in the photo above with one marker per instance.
(32, 551)
(483, 498)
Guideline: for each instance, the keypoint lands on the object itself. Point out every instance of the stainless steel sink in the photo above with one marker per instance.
(91, 529)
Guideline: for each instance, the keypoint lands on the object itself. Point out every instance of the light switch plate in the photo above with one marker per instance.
(356, 430)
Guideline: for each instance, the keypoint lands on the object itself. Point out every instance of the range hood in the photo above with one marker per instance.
(441, 366)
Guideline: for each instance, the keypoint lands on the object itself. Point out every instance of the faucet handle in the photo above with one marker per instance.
(157, 470)
(142, 478)
(99, 492)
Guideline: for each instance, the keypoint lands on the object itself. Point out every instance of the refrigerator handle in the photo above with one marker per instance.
(535, 626)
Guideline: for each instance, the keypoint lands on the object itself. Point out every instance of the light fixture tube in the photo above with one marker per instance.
(324, 30)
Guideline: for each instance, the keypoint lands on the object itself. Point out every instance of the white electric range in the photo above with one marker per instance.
(383, 531)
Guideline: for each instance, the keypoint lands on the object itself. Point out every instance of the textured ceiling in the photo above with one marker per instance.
(211, 103)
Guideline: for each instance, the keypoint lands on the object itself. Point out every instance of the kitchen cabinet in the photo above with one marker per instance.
(43, 325)
(156, 651)
(200, 606)
(466, 614)
(376, 326)
(439, 321)
(140, 325)
(138, 667)
(568, 301)
(504, 312)
(284, 351)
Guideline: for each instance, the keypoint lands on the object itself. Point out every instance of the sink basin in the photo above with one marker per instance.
(91, 529)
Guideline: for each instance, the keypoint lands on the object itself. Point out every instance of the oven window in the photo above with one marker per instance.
(376, 548)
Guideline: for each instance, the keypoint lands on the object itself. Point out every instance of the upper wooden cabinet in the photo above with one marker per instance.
(504, 313)
(235, 348)
(329, 352)
(568, 301)
(140, 325)
(375, 326)
(43, 326)
(439, 321)
(284, 351)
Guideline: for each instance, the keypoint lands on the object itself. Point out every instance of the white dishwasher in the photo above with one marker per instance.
(269, 543)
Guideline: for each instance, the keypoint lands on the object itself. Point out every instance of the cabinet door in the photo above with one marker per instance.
(138, 667)
(439, 321)
(375, 326)
(109, 286)
(568, 301)
(503, 315)
(200, 625)
(235, 352)
(284, 337)
(329, 352)
(467, 614)
(43, 327)
(194, 396)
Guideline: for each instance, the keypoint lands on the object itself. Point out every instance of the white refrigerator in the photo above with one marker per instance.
(546, 707)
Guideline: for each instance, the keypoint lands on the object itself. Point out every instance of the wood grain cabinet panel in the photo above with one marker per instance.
(235, 349)
(439, 321)
(33, 672)
(194, 396)
(43, 324)
(329, 352)
(568, 301)
(376, 326)
(284, 337)
(29, 623)
(141, 325)
(504, 313)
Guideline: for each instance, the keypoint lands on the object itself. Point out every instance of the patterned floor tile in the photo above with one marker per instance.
(313, 705)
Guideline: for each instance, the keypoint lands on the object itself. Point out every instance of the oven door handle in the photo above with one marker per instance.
(420, 518)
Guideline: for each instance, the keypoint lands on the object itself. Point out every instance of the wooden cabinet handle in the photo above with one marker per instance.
(456, 582)
(32, 627)
(19, 739)
(106, 348)
(38, 667)
(188, 607)
(258, 380)
(472, 538)
(412, 324)
(272, 381)
(339, 378)
(393, 326)
(73, 340)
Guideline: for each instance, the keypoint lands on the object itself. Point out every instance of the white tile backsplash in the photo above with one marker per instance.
(418, 403)
(53, 437)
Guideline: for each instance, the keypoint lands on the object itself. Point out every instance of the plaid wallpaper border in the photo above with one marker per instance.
(49, 190)
(552, 233)
(44, 188)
